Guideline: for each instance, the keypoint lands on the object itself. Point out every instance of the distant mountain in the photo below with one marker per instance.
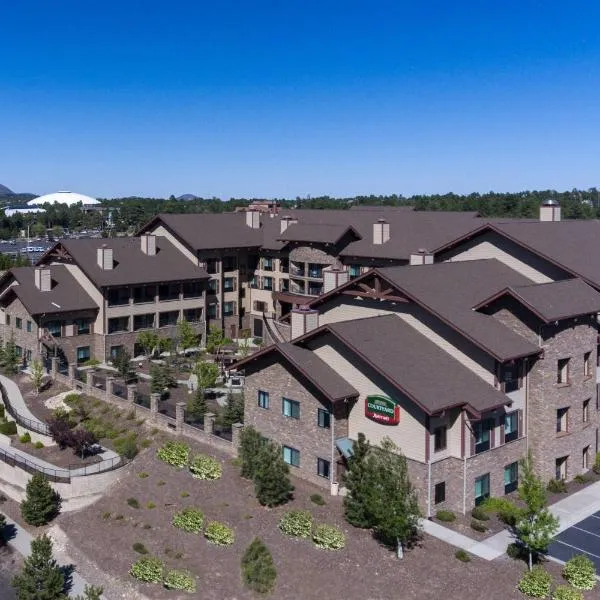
(4, 191)
(187, 197)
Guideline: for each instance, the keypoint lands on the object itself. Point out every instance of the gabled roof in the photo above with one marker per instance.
(66, 294)
(334, 387)
(552, 301)
(324, 234)
(131, 266)
(449, 291)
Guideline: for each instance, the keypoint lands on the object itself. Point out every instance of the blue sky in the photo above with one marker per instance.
(286, 99)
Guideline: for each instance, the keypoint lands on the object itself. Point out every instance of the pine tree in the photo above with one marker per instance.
(90, 592)
(11, 358)
(197, 406)
(41, 577)
(258, 569)
(251, 443)
(271, 479)
(41, 503)
(122, 362)
(234, 410)
(359, 482)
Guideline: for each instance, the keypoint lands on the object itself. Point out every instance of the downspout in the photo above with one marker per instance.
(332, 465)
(526, 365)
(429, 488)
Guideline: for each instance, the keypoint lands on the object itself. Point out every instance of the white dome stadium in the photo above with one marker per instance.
(63, 197)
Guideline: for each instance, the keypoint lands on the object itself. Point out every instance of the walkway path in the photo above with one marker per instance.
(16, 399)
(569, 510)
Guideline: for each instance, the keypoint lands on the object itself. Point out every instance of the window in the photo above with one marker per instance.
(213, 286)
(481, 431)
(28, 355)
(586, 410)
(267, 264)
(260, 306)
(510, 378)
(192, 289)
(29, 326)
(315, 290)
(315, 270)
(82, 326)
(143, 321)
(212, 311)
(263, 399)
(585, 456)
(482, 488)
(19, 323)
(284, 285)
(83, 354)
(561, 467)
(284, 265)
(54, 328)
(511, 477)
(354, 271)
(439, 492)
(562, 420)
(168, 318)
(192, 315)
(144, 293)
(439, 438)
(254, 282)
(323, 418)
(229, 284)
(115, 351)
(290, 408)
(562, 373)
(19, 351)
(291, 456)
(118, 324)
(118, 296)
(230, 263)
(587, 370)
(228, 309)
(168, 291)
(8, 319)
(511, 426)
(323, 468)
(212, 266)
(267, 283)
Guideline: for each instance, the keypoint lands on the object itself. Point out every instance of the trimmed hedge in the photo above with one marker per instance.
(205, 467)
(566, 592)
(580, 572)
(328, 537)
(189, 519)
(447, 516)
(535, 583)
(296, 523)
(174, 453)
(219, 534)
(180, 580)
(149, 569)
(8, 428)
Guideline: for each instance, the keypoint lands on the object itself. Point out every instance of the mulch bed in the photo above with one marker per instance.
(462, 524)
(362, 570)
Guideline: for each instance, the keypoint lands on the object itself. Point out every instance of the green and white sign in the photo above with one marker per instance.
(382, 409)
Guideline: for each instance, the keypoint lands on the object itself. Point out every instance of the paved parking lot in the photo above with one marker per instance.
(581, 538)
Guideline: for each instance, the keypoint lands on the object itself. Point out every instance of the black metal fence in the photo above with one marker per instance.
(26, 422)
(119, 389)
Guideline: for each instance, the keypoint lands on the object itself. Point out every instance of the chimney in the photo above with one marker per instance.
(105, 258)
(43, 279)
(333, 277)
(421, 257)
(304, 319)
(148, 244)
(285, 222)
(549, 210)
(253, 219)
(381, 232)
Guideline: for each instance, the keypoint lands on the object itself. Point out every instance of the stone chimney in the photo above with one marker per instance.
(43, 279)
(421, 257)
(253, 219)
(381, 232)
(333, 277)
(304, 319)
(549, 210)
(148, 244)
(105, 258)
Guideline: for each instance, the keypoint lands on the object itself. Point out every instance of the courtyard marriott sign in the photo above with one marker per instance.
(382, 409)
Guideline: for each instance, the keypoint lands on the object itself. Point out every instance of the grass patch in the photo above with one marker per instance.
(184, 494)
(146, 443)
(161, 482)
(317, 499)
(133, 502)
(140, 548)
(154, 431)
(150, 505)
(119, 518)
(106, 515)
(143, 475)
(462, 556)
(447, 516)
(38, 445)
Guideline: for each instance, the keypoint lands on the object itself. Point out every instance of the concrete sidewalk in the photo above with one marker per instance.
(569, 510)
(17, 401)
(21, 542)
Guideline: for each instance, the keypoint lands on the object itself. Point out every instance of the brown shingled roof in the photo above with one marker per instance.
(325, 234)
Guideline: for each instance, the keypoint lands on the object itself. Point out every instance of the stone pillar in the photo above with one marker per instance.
(54, 367)
(154, 398)
(72, 372)
(179, 416)
(90, 378)
(236, 432)
(131, 389)
(209, 422)
(109, 386)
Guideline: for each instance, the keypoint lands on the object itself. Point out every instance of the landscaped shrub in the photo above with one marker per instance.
(317, 499)
(296, 523)
(480, 513)
(535, 583)
(557, 486)
(328, 537)
(174, 453)
(582, 478)
(142, 475)
(596, 467)
(445, 515)
(2, 527)
(127, 446)
(219, 534)
(478, 526)
(133, 502)
(580, 572)
(566, 592)
(189, 519)
(462, 556)
(1, 411)
(180, 580)
(140, 548)
(149, 569)
(8, 428)
(258, 569)
(205, 467)
(184, 494)
(106, 515)
(38, 445)
(25, 438)
(507, 512)
(150, 505)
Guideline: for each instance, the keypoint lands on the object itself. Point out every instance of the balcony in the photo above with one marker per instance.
(315, 271)
(297, 271)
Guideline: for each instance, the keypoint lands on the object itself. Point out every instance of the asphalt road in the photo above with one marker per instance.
(581, 538)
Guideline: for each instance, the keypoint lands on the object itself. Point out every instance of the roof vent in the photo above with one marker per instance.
(42, 278)
(381, 232)
(105, 258)
(549, 210)
(148, 244)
